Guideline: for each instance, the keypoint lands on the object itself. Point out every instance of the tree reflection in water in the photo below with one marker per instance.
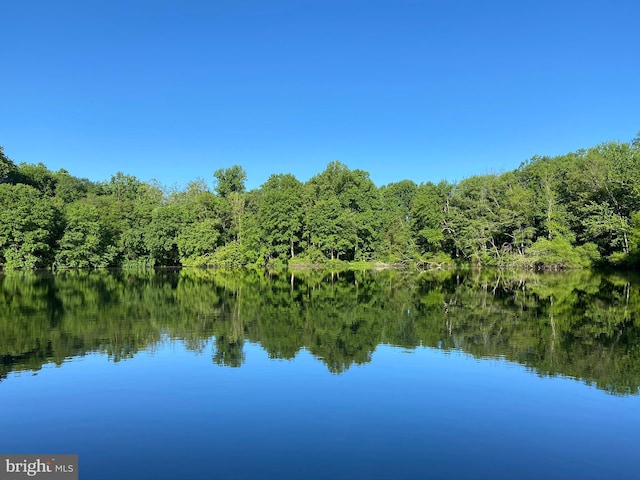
(576, 324)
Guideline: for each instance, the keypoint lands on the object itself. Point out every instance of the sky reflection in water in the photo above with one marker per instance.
(172, 413)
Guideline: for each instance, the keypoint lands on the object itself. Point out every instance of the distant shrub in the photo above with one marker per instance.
(228, 256)
(558, 253)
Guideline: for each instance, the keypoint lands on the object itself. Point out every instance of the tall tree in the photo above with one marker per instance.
(472, 220)
(280, 215)
(230, 180)
(38, 176)
(29, 227)
(87, 241)
(428, 216)
(397, 242)
(343, 212)
(6, 166)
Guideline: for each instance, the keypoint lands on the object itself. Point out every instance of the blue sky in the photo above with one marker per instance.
(422, 90)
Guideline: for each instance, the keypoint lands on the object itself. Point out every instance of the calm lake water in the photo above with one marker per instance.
(211, 375)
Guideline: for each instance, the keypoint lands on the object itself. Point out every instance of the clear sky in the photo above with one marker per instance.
(422, 90)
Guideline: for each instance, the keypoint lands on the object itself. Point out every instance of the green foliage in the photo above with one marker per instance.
(69, 188)
(472, 221)
(312, 256)
(228, 256)
(435, 260)
(198, 240)
(29, 226)
(280, 216)
(575, 210)
(161, 235)
(342, 213)
(87, 241)
(7, 167)
(396, 242)
(602, 224)
(632, 258)
(123, 187)
(38, 176)
(230, 180)
(559, 253)
(428, 216)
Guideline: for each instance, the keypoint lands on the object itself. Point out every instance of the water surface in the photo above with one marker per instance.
(201, 374)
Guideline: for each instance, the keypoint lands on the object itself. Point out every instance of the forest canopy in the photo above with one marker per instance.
(576, 210)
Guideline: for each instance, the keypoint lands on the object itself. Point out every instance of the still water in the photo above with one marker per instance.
(211, 375)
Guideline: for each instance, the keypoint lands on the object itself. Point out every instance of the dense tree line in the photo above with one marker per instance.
(579, 209)
(578, 324)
